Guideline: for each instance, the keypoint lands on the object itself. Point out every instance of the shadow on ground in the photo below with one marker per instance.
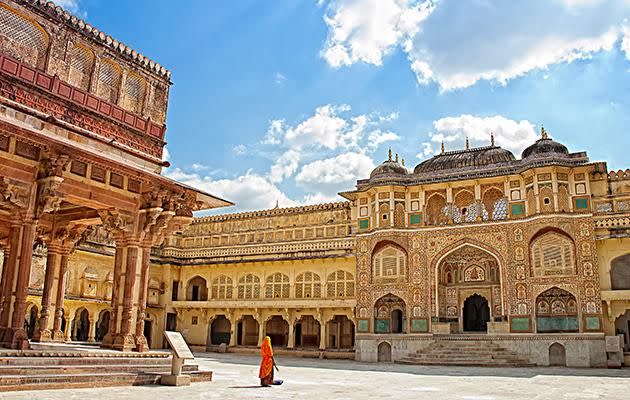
(526, 373)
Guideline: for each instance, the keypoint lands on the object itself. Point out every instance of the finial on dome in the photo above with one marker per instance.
(396, 157)
(543, 132)
(442, 147)
(492, 139)
(467, 144)
(403, 162)
(277, 205)
(389, 154)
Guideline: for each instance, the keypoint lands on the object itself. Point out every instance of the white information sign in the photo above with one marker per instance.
(179, 346)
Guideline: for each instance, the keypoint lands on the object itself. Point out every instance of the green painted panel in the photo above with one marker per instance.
(381, 326)
(557, 324)
(415, 219)
(517, 209)
(592, 323)
(419, 325)
(364, 223)
(581, 204)
(363, 325)
(520, 324)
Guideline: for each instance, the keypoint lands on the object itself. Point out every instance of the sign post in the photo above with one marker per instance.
(181, 352)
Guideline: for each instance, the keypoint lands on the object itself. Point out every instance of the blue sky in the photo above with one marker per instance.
(291, 101)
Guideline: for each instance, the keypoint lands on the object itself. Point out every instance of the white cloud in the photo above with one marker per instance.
(280, 78)
(285, 166)
(367, 30)
(379, 137)
(239, 150)
(324, 129)
(335, 173)
(509, 134)
(274, 132)
(625, 42)
(249, 191)
(68, 5)
(457, 44)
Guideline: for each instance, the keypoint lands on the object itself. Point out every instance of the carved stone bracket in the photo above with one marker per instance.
(14, 193)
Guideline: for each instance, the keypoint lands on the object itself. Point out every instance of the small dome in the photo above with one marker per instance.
(544, 146)
(388, 167)
(477, 157)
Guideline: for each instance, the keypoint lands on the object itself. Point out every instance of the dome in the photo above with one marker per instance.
(544, 146)
(388, 167)
(476, 157)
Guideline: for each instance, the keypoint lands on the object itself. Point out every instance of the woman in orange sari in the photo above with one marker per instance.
(267, 363)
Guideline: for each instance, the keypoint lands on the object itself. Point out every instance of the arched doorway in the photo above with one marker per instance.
(462, 273)
(340, 332)
(102, 325)
(307, 332)
(81, 325)
(476, 314)
(197, 289)
(620, 273)
(148, 330)
(278, 331)
(247, 331)
(557, 355)
(389, 312)
(32, 322)
(384, 352)
(220, 331)
(622, 327)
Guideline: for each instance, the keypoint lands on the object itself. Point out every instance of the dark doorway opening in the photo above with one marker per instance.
(476, 314)
(148, 327)
(397, 321)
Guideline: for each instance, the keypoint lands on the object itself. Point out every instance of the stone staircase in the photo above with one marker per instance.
(41, 370)
(468, 352)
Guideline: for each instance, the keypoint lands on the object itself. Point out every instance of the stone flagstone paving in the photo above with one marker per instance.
(235, 377)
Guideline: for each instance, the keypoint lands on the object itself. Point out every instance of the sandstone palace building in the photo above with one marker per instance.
(473, 247)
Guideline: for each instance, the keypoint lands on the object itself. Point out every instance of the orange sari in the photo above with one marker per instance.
(266, 365)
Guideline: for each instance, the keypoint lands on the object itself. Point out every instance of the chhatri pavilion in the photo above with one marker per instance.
(473, 248)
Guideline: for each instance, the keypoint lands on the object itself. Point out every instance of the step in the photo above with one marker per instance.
(466, 364)
(4, 361)
(81, 369)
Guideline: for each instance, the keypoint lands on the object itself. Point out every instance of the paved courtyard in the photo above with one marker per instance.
(235, 377)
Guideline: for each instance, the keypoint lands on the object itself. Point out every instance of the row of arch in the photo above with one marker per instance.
(339, 284)
(26, 40)
(306, 332)
(465, 208)
(80, 326)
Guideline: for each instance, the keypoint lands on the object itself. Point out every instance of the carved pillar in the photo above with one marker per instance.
(141, 342)
(44, 333)
(16, 336)
(68, 331)
(261, 331)
(108, 340)
(291, 341)
(57, 334)
(322, 334)
(8, 275)
(125, 340)
(234, 331)
(91, 331)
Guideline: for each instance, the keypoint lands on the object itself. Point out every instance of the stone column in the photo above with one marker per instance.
(44, 333)
(8, 275)
(110, 336)
(141, 341)
(91, 332)
(68, 331)
(57, 334)
(261, 331)
(16, 336)
(125, 341)
(291, 340)
(338, 335)
(234, 331)
(322, 335)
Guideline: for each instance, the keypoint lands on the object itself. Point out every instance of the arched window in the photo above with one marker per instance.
(465, 207)
(249, 287)
(197, 289)
(545, 194)
(308, 284)
(22, 38)
(277, 286)
(553, 254)
(556, 311)
(399, 215)
(494, 205)
(340, 284)
(436, 210)
(620, 273)
(389, 264)
(531, 201)
(222, 287)
(134, 92)
(384, 215)
(81, 65)
(564, 200)
(108, 80)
